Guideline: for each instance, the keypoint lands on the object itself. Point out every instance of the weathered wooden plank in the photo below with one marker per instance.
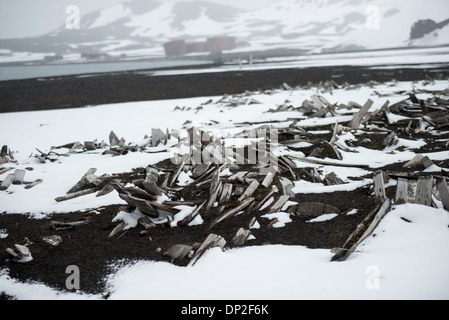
(19, 174)
(355, 122)
(233, 211)
(401, 191)
(175, 176)
(143, 205)
(113, 139)
(379, 187)
(443, 190)
(279, 204)
(268, 179)
(138, 193)
(414, 161)
(241, 236)
(157, 136)
(426, 162)
(78, 194)
(265, 199)
(7, 182)
(151, 175)
(287, 187)
(192, 216)
(215, 188)
(330, 163)
(424, 191)
(152, 188)
(82, 182)
(33, 184)
(118, 228)
(2, 171)
(226, 193)
(211, 241)
(250, 190)
(383, 210)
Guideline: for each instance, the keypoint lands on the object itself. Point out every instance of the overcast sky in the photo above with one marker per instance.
(27, 18)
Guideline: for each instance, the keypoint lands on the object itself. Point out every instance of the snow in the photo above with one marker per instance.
(403, 260)
(111, 14)
(324, 217)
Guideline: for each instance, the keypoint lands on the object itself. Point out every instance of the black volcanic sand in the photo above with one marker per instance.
(74, 91)
(89, 247)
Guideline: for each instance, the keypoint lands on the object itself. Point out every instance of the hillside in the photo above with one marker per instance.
(140, 28)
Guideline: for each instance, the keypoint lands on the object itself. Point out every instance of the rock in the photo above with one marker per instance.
(178, 251)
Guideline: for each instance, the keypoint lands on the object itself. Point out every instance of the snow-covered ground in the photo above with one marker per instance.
(405, 260)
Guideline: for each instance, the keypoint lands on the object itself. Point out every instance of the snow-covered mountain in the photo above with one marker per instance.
(141, 27)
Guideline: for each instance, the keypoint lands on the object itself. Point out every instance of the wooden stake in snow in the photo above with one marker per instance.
(366, 227)
(424, 191)
(241, 236)
(355, 122)
(7, 182)
(250, 190)
(401, 191)
(443, 190)
(379, 187)
(18, 176)
(233, 211)
(211, 241)
(82, 182)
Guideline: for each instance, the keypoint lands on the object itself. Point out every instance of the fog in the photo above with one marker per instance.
(29, 18)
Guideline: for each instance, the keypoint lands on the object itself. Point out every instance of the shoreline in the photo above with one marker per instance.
(131, 86)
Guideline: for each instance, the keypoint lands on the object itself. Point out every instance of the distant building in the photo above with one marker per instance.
(175, 48)
(214, 45)
(218, 44)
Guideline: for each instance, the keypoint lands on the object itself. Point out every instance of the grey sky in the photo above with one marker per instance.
(27, 18)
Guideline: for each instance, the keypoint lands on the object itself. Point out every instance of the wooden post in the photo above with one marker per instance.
(424, 191)
(379, 187)
(443, 190)
(401, 191)
(355, 122)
